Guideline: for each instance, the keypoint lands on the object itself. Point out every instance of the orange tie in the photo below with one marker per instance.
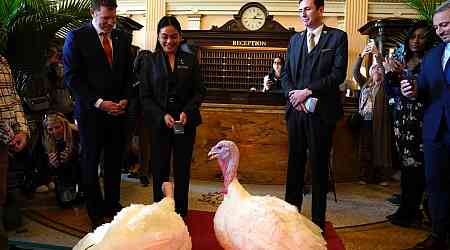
(106, 47)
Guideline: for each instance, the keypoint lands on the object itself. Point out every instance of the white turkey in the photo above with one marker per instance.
(142, 227)
(247, 222)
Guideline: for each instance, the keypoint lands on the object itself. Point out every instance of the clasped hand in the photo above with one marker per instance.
(170, 121)
(114, 108)
(298, 97)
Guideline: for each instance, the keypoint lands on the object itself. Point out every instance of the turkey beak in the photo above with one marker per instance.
(212, 154)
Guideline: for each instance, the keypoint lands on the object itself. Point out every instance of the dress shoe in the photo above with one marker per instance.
(406, 222)
(431, 243)
(111, 211)
(96, 222)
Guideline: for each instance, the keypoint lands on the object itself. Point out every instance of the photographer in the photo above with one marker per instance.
(61, 143)
(374, 144)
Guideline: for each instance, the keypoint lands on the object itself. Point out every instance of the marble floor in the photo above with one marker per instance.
(358, 214)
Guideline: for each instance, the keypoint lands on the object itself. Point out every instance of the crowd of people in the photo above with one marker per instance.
(404, 103)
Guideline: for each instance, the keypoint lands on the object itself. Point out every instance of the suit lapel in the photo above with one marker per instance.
(437, 60)
(116, 45)
(298, 52)
(98, 46)
(323, 40)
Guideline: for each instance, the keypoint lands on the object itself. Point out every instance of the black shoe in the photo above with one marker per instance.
(406, 222)
(144, 180)
(431, 243)
(96, 222)
(113, 210)
(394, 200)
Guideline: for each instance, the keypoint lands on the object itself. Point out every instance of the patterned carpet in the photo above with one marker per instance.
(356, 205)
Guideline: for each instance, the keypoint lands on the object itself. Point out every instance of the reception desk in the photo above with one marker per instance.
(261, 135)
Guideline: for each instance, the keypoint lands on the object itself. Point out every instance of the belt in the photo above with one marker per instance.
(172, 99)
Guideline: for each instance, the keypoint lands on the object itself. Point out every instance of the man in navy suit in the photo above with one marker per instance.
(316, 63)
(433, 87)
(98, 69)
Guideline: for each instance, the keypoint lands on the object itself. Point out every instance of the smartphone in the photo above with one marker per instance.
(178, 128)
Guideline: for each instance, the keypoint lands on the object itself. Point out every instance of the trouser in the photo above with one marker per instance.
(308, 131)
(101, 132)
(437, 172)
(3, 192)
(412, 189)
(164, 145)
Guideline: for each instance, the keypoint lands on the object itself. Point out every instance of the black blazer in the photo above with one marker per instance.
(151, 72)
(330, 69)
(87, 72)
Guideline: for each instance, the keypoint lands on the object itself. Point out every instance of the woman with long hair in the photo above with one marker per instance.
(407, 116)
(374, 134)
(272, 81)
(171, 93)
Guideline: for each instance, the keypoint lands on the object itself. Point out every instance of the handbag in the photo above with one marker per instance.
(354, 121)
(38, 103)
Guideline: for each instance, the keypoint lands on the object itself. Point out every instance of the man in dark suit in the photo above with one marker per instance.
(433, 88)
(316, 64)
(98, 69)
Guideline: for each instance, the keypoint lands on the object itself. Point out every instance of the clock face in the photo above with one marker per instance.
(253, 18)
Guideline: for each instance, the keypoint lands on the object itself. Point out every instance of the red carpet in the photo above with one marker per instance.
(201, 228)
(200, 224)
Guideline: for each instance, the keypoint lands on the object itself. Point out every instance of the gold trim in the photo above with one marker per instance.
(244, 47)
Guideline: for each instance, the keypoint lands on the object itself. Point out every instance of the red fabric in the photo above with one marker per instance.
(201, 228)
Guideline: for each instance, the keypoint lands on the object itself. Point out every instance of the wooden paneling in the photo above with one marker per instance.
(261, 135)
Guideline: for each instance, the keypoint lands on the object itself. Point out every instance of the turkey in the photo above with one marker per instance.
(142, 227)
(247, 222)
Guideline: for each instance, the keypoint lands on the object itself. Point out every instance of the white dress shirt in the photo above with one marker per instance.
(445, 56)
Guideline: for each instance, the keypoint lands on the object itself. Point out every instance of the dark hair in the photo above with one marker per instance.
(429, 36)
(164, 22)
(443, 7)
(317, 3)
(110, 4)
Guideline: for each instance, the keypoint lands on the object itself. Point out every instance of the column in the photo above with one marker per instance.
(356, 12)
(194, 22)
(156, 9)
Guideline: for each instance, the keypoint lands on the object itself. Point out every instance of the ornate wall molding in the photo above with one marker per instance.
(377, 8)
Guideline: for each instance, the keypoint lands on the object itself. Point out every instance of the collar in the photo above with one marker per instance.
(98, 29)
(317, 31)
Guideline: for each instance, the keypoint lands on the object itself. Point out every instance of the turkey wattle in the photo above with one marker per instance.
(142, 227)
(247, 222)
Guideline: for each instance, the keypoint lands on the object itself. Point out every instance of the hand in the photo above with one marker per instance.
(183, 118)
(123, 104)
(18, 142)
(53, 160)
(296, 97)
(408, 88)
(367, 50)
(393, 65)
(168, 120)
(111, 108)
(301, 108)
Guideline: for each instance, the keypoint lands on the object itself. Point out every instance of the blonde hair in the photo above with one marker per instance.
(49, 142)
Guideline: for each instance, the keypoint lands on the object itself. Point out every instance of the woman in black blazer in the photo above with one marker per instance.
(171, 93)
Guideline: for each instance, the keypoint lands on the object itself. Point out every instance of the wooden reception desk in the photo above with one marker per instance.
(261, 135)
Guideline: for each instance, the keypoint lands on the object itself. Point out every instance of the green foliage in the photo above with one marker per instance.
(425, 8)
(32, 24)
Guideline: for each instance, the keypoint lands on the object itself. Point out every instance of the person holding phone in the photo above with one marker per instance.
(272, 81)
(171, 93)
(375, 131)
(407, 114)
